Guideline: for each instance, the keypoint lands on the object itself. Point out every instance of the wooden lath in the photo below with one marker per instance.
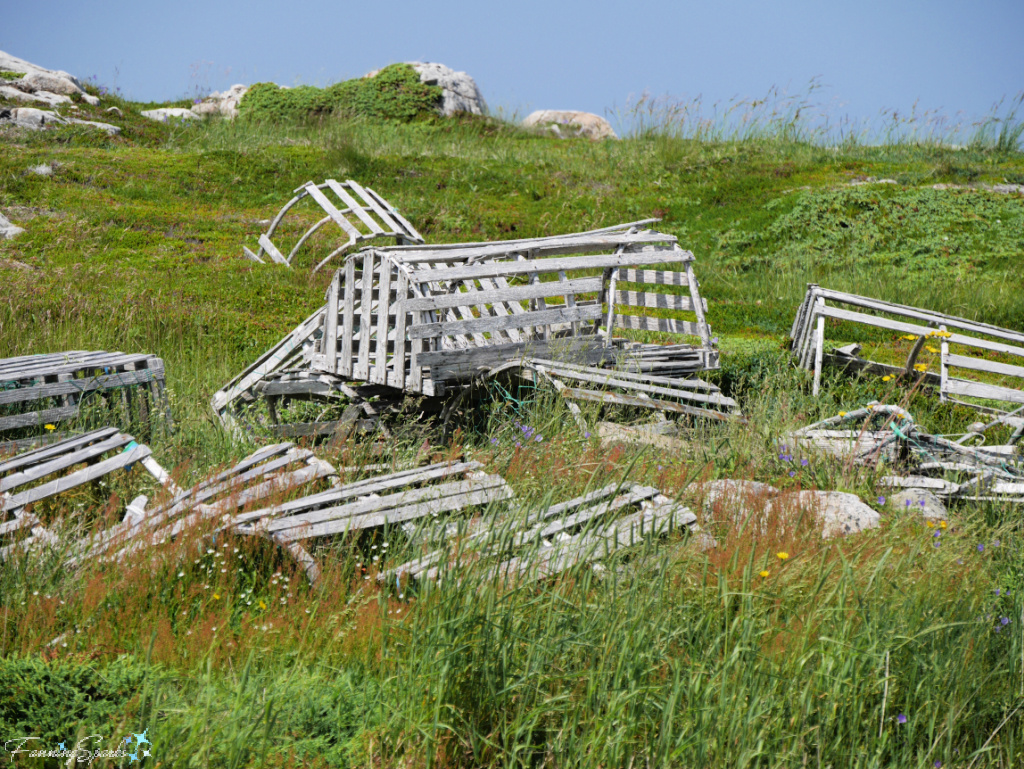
(425, 319)
(359, 212)
(36, 390)
(819, 304)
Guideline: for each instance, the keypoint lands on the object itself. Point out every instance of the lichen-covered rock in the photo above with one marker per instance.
(8, 230)
(38, 119)
(568, 123)
(737, 500)
(41, 83)
(459, 91)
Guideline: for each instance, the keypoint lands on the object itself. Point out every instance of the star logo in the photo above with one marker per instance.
(141, 738)
(61, 747)
(134, 757)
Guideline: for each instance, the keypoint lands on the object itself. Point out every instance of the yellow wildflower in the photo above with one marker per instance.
(930, 349)
(782, 556)
(930, 524)
(764, 573)
(909, 338)
(920, 367)
(50, 427)
(263, 605)
(216, 596)
(942, 524)
(886, 378)
(842, 413)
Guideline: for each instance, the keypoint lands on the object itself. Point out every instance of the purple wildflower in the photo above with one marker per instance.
(586, 435)
(981, 548)
(901, 719)
(906, 503)
(960, 561)
(494, 441)
(539, 438)
(996, 543)
(937, 764)
(997, 591)
(881, 499)
(1005, 621)
(792, 473)
(805, 462)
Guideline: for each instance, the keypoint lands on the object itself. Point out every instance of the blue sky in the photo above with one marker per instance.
(952, 58)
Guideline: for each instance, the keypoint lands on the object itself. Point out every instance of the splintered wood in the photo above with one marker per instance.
(359, 212)
(36, 390)
(433, 320)
(975, 342)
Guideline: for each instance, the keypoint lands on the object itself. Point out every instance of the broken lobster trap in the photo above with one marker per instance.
(433, 320)
(959, 373)
(360, 213)
(41, 390)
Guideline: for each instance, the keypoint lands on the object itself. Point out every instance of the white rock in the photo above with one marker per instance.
(40, 97)
(10, 63)
(459, 91)
(567, 123)
(661, 436)
(164, 114)
(737, 500)
(8, 230)
(45, 81)
(28, 117)
(222, 103)
(110, 129)
(836, 511)
(920, 501)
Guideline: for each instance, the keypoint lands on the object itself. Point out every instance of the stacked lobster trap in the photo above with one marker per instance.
(431, 321)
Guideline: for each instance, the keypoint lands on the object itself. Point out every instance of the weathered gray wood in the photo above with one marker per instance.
(75, 457)
(361, 370)
(48, 452)
(819, 351)
(271, 250)
(513, 294)
(655, 301)
(587, 349)
(963, 387)
(79, 386)
(989, 366)
(484, 325)
(331, 211)
(38, 418)
(379, 372)
(662, 325)
(76, 479)
(647, 403)
(355, 207)
(610, 378)
(657, 277)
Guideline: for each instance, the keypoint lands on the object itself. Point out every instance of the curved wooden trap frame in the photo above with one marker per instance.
(362, 216)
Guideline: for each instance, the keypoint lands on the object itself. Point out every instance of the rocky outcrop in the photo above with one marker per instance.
(737, 500)
(40, 84)
(567, 123)
(223, 103)
(38, 119)
(164, 114)
(459, 92)
(921, 502)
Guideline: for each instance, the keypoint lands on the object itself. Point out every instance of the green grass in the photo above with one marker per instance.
(667, 657)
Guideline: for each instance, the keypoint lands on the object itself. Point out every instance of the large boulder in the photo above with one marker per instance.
(568, 123)
(737, 500)
(38, 119)
(920, 501)
(459, 91)
(42, 82)
(12, 93)
(221, 103)
(837, 512)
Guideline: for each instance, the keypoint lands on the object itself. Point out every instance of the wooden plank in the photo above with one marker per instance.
(658, 277)
(819, 350)
(401, 318)
(647, 403)
(271, 249)
(47, 452)
(687, 384)
(348, 289)
(963, 387)
(553, 264)
(76, 479)
(909, 328)
(656, 301)
(74, 457)
(513, 294)
(661, 325)
(699, 307)
(989, 366)
(336, 216)
(38, 418)
(379, 373)
(410, 232)
(80, 386)
(642, 242)
(490, 324)
(361, 370)
(609, 378)
(355, 207)
(585, 348)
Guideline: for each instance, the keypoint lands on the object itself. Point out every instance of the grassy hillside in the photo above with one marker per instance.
(892, 648)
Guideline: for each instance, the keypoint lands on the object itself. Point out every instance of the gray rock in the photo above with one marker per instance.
(459, 91)
(164, 114)
(737, 500)
(223, 103)
(10, 63)
(567, 123)
(38, 119)
(921, 502)
(41, 170)
(660, 435)
(38, 97)
(838, 513)
(8, 230)
(44, 81)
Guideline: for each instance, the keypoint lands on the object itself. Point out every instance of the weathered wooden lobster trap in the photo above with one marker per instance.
(428, 320)
(37, 390)
(360, 213)
(958, 374)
